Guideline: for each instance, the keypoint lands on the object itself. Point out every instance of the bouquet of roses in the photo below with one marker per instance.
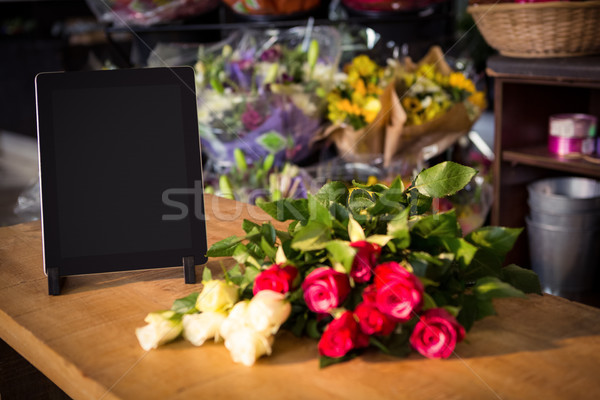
(370, 267)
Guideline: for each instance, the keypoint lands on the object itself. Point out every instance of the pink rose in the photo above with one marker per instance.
(341, 336)
(372, 321)
(325, 289)
(436, 334)
(364, 261)
(399, 293)
(277, 278)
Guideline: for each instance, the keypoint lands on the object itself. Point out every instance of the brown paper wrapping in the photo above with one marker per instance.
(387, 134)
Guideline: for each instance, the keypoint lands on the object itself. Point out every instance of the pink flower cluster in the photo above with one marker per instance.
(393, 296)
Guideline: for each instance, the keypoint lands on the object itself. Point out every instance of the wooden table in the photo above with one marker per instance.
(83, 340)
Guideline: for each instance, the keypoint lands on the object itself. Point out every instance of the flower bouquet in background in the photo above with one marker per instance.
(259, 181)
(366, 268)
(148, 12)
(425, 108)
(271, 7)
(265, 94)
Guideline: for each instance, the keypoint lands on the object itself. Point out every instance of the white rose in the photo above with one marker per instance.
(163, 326)
(198, 328)
(246, 345)
(236, 319)
(267, 311)
(217, 295)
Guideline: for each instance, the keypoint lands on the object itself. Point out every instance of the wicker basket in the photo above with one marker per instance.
(538, 30)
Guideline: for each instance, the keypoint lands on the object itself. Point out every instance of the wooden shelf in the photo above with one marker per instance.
(539, 156)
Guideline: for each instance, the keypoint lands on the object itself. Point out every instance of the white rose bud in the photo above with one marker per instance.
(236, 319)
(217, 295)
(198, 328)
(162, 328)
(246, 345)
(267, 311)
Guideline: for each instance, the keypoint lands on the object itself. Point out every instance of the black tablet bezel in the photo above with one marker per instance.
(46, 84)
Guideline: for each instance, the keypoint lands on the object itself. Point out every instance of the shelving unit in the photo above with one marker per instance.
(527, 93)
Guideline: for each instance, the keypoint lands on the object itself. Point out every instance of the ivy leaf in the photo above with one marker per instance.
(187, 304)
(342, 252)
(490, 287)
(318, 212)
(224, 248)
(521, 278)
(286, 209)
(333, 192)
(313, 236)
(443, 179)
(497, 239)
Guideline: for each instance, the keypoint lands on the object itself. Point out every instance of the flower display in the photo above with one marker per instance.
(367, 268)
(429, 93)
(356, 100)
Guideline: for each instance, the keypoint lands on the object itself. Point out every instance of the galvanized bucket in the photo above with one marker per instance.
(565, 259)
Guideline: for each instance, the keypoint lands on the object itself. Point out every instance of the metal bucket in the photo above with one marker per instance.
(570, 195)
(565, 259)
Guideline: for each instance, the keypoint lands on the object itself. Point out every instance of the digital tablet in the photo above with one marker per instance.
(120, 170)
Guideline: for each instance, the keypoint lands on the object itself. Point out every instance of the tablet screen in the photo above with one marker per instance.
(116, 149)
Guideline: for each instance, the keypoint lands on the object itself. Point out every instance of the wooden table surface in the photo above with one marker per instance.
(83, 340)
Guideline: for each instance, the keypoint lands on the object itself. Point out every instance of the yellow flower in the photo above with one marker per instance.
(459, 81)
(348, 107)
(432, 111)
(478, 99)
(364, 65)
(359, 87)
(411, 104)
(371, 109)
(373, 89)
(427, 71)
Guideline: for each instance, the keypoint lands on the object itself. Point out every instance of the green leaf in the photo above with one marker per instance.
(312, 329)
(443, 179)
(224, 248)
(272, 141)
(268, 233)
(521, 278)
(441, 225)
(468, 312)
(313, 236)
(206, 275)
(485, 263)
(497, 239)
(419, 204)
(355, 231)
(454, 311)
(485, 308)
(339, 212)
(428, 301)
(287, 209)
(318, 212)
(333, 192)
(299, 324)
(398, 228)
(325, 361)
(268, 248)
(359, 200)
(186, 304)
(392, 200)
(376, 188)
(463, 250)
(247, 225)
(490, 287)
(377, 343)
(342, 252)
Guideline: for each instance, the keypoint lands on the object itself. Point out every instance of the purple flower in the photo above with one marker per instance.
(271, 55)
(251, 118)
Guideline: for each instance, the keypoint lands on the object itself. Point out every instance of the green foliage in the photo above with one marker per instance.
(462, 275)
(185, 305)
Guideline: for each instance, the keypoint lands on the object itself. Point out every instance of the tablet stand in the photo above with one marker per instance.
(189, 269)
(55, 281)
